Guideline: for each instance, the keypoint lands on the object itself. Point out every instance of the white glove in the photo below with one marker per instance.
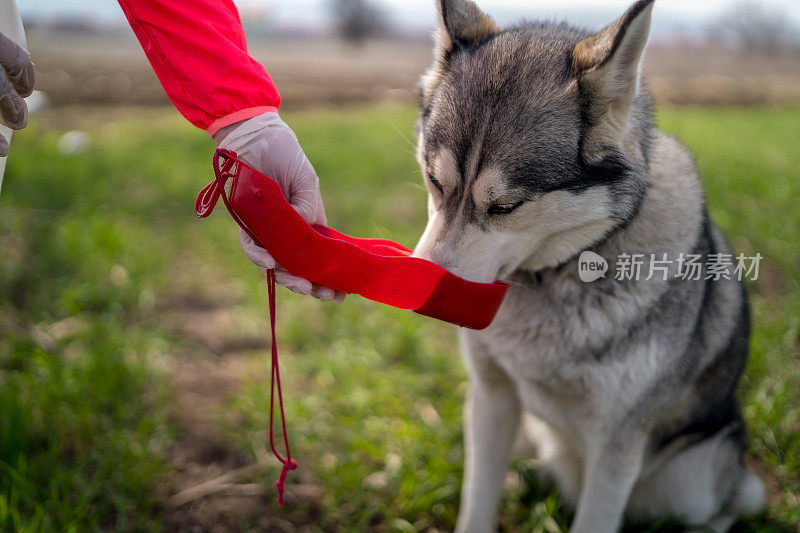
(16, 82)
(267, 144)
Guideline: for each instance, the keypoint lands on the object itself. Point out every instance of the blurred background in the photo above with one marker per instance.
(332, 52)
(133, 363)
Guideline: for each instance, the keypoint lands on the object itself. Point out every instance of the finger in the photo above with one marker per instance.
(254, 252)
(305, 287)
(293, 283)
(305, 196)
(324, 294)
(304, 193)
(3, 146)
(17, 63)
(23, 80)
(13, 111)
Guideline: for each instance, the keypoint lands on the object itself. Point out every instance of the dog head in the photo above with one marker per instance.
(533, 141)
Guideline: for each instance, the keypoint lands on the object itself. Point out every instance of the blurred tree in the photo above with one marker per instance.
(358, 19)
(755, 28)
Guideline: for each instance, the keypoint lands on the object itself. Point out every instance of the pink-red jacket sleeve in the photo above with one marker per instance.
(198, 50)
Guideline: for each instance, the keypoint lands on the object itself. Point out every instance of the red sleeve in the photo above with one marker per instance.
(198, 50)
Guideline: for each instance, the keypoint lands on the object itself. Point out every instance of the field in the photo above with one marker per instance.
(133, 368)
(113, 70)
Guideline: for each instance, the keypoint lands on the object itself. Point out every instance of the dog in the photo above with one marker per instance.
(537, 145)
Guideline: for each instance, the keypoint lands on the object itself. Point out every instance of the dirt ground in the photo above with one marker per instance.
(94, 70)
(215, 487)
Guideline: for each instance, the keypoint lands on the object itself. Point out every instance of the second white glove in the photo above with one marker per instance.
(16, 82)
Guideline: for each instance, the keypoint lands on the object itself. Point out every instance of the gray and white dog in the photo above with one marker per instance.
(537, 143)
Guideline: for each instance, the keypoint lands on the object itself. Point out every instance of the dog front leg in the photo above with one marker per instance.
(491, 421)
(610, 472)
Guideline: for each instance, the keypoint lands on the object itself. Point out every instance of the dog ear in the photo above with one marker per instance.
(608, 68)
(462, 23)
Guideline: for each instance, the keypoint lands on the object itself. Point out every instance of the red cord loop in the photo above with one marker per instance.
(204, 205)
(275, 383)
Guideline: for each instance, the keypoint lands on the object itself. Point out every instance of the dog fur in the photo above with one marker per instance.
(537, 143)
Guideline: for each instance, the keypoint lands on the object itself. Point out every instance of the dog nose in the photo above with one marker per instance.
(435, 254)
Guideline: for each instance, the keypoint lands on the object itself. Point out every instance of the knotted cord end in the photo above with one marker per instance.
(289, 464)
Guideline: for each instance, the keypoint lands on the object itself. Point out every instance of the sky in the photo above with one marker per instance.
(669, 15)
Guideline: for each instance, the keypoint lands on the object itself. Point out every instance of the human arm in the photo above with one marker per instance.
(198, 51)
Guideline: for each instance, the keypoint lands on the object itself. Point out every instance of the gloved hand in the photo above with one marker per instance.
(267, 144)
(16, 82)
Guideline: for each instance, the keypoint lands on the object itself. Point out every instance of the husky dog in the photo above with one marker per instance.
(537, 144)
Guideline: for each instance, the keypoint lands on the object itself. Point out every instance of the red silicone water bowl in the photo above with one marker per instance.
(378, 269)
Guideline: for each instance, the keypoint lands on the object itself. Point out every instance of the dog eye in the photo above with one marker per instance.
(436, 183)
(504, 209)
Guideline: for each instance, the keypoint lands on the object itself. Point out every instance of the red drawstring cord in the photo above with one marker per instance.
(204, 206)
(288, 462)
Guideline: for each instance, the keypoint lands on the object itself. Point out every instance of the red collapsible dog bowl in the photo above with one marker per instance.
(378, 269)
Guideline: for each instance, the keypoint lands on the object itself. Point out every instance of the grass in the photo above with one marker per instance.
(96, 245)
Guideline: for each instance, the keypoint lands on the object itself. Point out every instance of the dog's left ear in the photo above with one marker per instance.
(461, 22)
(607, 65)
